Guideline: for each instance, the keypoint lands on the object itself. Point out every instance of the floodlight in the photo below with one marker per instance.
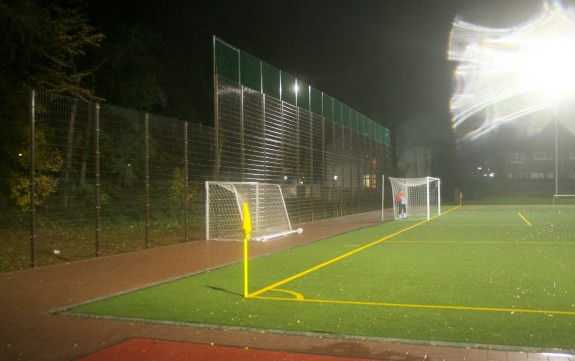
(520, 74)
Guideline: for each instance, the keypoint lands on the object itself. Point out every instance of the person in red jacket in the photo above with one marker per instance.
(402, 201)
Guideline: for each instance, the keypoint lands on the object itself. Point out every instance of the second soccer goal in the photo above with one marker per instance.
(416, 198)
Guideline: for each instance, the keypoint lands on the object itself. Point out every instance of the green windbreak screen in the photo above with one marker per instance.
(250, 71)
(271, 81)
(337, 112)
(316, 101)
(353, 120)
(288, 88)
(346, 115)
(327, 107)
(247, 70)
(303, 95)
(227, 61)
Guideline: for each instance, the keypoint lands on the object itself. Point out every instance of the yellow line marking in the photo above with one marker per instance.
(488, 242)
(444, 307)
(298, 296)
(475, 224)
(525, 219)
(343, 256)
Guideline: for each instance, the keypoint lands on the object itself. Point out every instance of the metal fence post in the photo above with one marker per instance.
(242, 136)
(186, 180)
(311, 163)
(323, 170)
(298, 166)
(147, 176)
(382, 197)
(265, 141)
(32, 179)
(97, 174)
(217, 150)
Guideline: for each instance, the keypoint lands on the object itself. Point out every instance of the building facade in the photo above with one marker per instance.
(543, 165)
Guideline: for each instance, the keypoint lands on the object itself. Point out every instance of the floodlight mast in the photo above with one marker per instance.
(560, 83)
(556, 159)
(555, 76)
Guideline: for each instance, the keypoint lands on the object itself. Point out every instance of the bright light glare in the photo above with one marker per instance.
(547, 66)
(505, 75)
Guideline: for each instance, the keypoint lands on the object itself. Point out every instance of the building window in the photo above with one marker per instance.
(369, 181)
(370, 166)
(521, 175)
(542, 156)
(516, 158)
(537, 175)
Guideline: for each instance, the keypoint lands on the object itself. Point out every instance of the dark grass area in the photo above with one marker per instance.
(478, 275)
(63, 242)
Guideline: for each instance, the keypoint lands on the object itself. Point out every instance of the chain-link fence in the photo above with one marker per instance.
(326, 169)
(93, 179)
(111, 180)
(273, 127)
(106, 180)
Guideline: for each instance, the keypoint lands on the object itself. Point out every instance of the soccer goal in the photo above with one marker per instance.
(268, 213)
(416, 198)
(563, 199)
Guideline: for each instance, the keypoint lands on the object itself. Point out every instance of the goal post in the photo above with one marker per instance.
(224, 206)
(416, 198)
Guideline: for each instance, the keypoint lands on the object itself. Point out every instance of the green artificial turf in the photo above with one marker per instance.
(480, 275)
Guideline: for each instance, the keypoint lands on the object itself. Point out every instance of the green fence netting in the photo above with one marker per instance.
(245, 69)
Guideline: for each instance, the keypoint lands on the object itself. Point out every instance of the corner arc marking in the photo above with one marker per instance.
(298, 296)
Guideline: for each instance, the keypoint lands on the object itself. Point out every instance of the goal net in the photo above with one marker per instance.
(416, 198)
(268, 213)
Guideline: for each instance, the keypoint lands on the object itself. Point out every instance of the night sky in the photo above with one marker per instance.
(386, 59)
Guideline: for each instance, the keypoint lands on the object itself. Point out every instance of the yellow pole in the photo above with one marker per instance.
(245, 266)
(247, 227)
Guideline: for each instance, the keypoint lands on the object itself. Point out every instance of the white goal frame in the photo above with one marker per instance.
(556, 197)
(423, 197)
(224, 217)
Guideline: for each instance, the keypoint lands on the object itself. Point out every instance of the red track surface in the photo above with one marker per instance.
(137, 349)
